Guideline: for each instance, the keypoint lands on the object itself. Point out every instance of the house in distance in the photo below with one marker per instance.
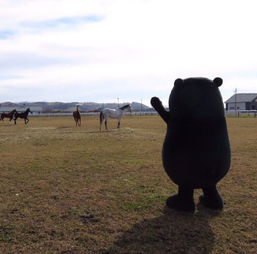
(242, 101)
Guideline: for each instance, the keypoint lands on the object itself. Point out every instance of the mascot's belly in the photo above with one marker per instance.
(196, 157)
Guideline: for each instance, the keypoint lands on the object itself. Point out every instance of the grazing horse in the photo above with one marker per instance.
(8, 115)
(77, 117)
(22, 115)
(112, 113)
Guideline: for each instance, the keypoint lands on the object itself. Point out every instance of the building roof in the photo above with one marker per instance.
(242, 97)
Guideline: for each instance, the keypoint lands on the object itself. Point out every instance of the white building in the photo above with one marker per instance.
(242, 101)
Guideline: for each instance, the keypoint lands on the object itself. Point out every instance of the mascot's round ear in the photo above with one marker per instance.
(217, 82)
(178, 82)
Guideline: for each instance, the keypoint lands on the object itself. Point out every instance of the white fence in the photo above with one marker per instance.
(38, 114)
(233, 113)
(242, 113)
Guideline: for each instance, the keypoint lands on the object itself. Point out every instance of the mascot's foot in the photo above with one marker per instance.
(179, 204)
(214, 202)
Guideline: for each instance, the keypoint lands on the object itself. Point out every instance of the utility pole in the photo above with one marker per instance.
(141, 106)
(235, 101)
(118, 102)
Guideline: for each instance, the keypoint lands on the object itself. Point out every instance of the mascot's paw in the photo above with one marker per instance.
(179, 204)
(215, 202)
(155, 102)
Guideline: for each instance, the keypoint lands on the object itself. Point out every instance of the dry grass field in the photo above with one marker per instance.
(71, 190)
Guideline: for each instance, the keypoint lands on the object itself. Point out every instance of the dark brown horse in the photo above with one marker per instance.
(8, 115)
(77, 117)
(22, 115)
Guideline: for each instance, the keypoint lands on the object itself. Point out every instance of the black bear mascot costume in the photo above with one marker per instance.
(196, 150)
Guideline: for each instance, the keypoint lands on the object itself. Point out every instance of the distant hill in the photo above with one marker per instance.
(67, 106)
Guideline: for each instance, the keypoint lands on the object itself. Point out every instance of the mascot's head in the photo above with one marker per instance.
(196, 97)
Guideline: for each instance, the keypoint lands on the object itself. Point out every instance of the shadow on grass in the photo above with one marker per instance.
(173, 232)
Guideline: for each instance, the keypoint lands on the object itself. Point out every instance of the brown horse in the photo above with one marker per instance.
(77, 117)
(8, 115)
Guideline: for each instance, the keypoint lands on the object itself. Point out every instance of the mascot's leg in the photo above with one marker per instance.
(183, 201)
(211, 198)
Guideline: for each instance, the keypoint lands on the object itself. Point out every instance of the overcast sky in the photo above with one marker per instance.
(101, 50)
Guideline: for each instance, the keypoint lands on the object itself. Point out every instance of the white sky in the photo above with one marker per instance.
(101, 50)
